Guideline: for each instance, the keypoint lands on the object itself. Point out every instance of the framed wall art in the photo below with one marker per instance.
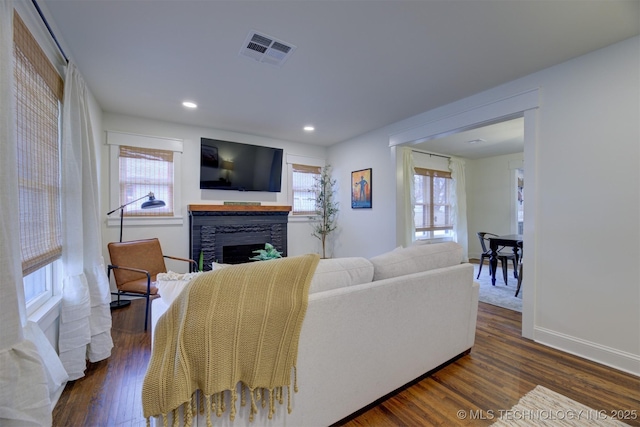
(361, 189)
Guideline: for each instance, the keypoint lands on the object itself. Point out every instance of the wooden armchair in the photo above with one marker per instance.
(135, 265)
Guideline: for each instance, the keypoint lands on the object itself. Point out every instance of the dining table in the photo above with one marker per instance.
(496, 243)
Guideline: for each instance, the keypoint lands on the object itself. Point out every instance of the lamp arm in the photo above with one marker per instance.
(133, 201)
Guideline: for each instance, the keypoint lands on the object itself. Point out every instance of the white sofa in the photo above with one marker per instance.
(371, 327)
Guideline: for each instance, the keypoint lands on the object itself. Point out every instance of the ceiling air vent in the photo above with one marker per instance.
(266, 49)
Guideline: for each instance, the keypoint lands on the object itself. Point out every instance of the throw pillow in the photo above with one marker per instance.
(170, 284)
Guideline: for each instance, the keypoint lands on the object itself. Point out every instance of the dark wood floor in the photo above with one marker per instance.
(500, 369)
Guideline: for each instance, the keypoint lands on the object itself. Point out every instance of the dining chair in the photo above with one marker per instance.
(135, 265)
(504, 257)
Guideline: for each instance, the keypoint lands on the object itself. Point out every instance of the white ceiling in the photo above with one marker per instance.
(492, 140)
(358, 65)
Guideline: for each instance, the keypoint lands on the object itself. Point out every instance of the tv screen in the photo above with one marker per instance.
(226, 165)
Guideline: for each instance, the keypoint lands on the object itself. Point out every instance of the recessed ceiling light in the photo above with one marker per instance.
(190, 104)
(309, 128)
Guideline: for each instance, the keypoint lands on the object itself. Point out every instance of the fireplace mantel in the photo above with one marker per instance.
(216, 227)
(238, 208)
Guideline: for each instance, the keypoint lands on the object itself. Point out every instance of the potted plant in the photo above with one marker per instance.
(326, 207)
(269, 252)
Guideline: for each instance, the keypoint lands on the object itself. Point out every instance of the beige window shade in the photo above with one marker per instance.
(303, 189)
(42, 67)
(433, 200)
(38, 93)
(144, 170)
(432, 172)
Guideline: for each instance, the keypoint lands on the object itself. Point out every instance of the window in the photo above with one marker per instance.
(144, 170)
(139, 165)
(38, 96)
(303, 183)
(39, 285)
(433, 215)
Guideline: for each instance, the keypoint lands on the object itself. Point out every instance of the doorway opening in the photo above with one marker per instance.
(493, 108)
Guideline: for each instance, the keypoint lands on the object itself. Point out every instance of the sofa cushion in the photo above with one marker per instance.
(341, 272)
(416, 259)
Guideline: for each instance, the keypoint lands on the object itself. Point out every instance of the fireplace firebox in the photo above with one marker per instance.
(230, 233)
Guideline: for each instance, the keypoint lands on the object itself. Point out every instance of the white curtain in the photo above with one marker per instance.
(409, 197)
(85, 320)
(459, 205)
(26, 381)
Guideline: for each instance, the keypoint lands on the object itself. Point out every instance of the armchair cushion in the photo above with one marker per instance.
(139, 254)
(139, 286)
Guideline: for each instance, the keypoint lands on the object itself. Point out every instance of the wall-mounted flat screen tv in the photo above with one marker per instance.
(226, 165)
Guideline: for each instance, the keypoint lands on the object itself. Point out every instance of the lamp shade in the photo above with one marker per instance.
(152, 203)
(149, 204)
(227, 165)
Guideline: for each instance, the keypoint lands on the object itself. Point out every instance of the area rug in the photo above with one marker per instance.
(544, 407)
(501, 295)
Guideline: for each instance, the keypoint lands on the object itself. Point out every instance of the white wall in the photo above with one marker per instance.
(490, 197)
(364, 232)
(582, 166)
(175, 238)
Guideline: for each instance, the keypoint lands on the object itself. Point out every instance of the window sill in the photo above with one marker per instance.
(302, 218)
(435, 240)
(47, 313)
(149, 220)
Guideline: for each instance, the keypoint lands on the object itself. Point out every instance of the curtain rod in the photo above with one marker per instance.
(53, 36)
(431, 154)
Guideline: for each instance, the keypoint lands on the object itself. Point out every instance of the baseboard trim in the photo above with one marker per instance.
(617, 359)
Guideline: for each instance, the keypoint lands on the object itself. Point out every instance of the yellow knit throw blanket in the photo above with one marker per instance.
(239, 324)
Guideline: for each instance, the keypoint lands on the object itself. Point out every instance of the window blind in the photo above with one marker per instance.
(432, 172)
(38, 92)
(304, 178)
(144, 170)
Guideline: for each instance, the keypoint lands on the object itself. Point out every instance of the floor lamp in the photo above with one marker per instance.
(149, 204)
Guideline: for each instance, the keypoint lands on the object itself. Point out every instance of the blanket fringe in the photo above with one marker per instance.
(176, 419)
(207, 404)
(254, 408)
(208, 409)
(190, 411)
(234, 398)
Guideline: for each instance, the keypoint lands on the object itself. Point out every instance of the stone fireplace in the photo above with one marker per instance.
(230, 233)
